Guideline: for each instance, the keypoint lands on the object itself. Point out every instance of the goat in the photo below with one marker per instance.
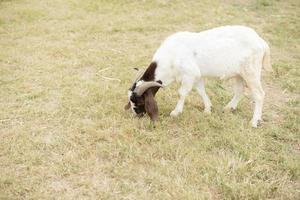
(228, 52)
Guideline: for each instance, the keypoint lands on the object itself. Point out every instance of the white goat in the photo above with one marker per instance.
(227, 52)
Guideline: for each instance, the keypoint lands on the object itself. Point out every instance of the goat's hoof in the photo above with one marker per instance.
(255, 123)
(174, 113)
(207, 111)
(229, 108)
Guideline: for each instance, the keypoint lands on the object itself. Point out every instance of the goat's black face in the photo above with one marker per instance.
(141, 99)
(137, 103)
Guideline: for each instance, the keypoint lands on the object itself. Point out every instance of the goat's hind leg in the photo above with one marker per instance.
(258, 94)
(186, 86)
(238, 92)
(201, 90)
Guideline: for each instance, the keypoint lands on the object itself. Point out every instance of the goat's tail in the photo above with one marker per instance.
(266, 62)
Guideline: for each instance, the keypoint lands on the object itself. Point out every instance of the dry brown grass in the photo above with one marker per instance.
(63, 131)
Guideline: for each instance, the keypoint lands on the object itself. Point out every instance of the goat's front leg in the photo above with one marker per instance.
(186, 86)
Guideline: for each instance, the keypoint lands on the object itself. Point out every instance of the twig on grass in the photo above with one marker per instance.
(105, 77)
(110, 79)
(104, 69)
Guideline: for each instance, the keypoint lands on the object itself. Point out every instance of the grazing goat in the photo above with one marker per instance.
(236, 52)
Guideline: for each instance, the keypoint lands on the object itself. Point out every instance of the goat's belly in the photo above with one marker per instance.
(218, 63)
(219, 71)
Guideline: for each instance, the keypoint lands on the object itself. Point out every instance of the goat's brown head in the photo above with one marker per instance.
(142, 92)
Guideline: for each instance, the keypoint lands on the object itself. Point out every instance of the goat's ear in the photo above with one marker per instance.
(127, 106)
(151, 105)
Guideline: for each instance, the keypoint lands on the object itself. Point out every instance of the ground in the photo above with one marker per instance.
(65, 67)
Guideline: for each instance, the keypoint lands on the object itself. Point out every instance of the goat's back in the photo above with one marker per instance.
(216, 52)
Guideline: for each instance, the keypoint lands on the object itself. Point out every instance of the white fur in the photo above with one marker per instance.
(226, 52)
(132, 106)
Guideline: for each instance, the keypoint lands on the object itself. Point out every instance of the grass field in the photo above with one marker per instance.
(65, 67)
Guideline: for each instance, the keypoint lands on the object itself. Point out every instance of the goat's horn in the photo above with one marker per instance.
(146, 85)
(139, 75)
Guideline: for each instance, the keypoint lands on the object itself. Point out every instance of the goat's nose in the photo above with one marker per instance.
(139, 115)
